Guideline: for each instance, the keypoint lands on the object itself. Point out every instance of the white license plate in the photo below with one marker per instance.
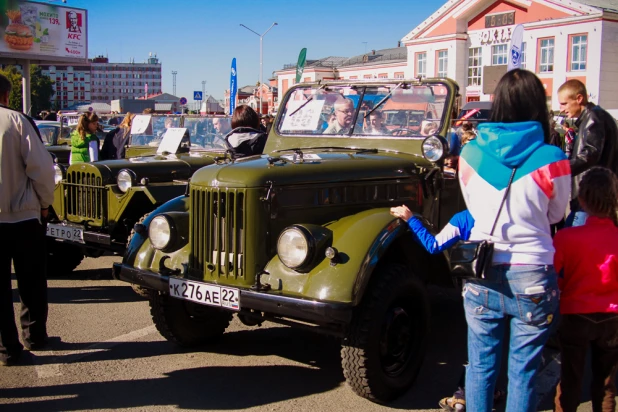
(72, 233)
(212, 295)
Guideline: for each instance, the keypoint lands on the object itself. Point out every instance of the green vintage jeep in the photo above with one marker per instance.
(302, 235)
(97, 204)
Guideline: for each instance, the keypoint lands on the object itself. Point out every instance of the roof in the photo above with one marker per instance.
(85, 107)
(477, 105)
(394, 54)
(164, 96)
(247, 89)
(330, 61)
(609, 5)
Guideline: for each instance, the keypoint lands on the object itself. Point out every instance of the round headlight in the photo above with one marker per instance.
(160, 232)
(58, 174)
(433, 148)
(124, 180)
(292, 247)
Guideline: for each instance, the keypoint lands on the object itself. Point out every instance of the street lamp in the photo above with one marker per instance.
(261, 36)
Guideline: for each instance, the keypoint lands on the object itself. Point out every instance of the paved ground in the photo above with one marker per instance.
(106, 354)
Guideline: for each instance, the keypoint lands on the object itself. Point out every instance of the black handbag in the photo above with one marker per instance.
(471, 259)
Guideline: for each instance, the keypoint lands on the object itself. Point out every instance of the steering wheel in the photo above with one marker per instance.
(402, 132)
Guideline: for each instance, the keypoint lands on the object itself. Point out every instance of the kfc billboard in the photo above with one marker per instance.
(37, 31)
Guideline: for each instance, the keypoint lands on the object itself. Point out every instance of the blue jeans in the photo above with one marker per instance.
(489, 305)
(576, 218)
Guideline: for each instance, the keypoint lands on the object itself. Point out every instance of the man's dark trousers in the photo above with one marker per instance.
(23, 243)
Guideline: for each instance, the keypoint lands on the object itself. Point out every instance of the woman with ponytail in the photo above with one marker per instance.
(586, 261)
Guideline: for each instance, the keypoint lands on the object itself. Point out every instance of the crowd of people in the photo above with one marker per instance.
(538, 282)
(535, 281)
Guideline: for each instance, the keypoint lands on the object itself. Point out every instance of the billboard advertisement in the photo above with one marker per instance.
(37, 31)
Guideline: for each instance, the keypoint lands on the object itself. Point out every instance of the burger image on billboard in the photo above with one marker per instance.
(17, 35)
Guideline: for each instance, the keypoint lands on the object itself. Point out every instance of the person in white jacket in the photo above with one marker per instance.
(26, 192)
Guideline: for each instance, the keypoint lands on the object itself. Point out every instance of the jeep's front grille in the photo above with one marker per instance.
(84, 197)
(218, 231)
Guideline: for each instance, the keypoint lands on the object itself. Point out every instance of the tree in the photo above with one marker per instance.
(40, 88)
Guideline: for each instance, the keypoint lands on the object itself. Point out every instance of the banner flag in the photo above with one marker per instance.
(514, 57)
(233, 86)
(300, 66)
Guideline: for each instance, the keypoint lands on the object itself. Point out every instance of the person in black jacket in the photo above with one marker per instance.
(246, 137)
(116, 140)
(596, 143)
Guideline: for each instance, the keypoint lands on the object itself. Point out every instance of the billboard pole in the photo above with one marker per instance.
(25, 83)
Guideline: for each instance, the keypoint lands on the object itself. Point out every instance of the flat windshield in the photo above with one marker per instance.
(153, 134)
(48, 133)
(365, 111)
(203, 133)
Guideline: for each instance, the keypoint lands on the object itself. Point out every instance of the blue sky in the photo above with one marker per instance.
(199, 38)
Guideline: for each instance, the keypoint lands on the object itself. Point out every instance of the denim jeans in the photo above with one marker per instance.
(576, 218)
(504, 297)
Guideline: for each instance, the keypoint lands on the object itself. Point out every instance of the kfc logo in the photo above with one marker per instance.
(74, 22)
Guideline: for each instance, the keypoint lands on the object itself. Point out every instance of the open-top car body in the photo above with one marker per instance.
(97, 204)
(302, 235)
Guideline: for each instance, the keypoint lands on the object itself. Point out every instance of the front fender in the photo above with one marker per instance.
(361, 240)
(140, 253)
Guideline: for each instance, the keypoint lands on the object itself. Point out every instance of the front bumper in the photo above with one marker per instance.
(321, 313)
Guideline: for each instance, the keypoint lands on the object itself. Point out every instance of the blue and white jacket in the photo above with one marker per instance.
(538, 197)
(458, 228)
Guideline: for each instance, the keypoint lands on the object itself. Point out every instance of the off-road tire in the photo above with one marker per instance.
(62, 258)
(140, 290)
(395, 304)
(186, 323)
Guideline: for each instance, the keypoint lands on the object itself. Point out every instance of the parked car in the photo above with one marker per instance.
(302, 235)
(56, 138)
(97, 204)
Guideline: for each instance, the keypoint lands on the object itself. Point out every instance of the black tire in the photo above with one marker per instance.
(185, 323)
(140, 290)
(63, 258)
(387, 340)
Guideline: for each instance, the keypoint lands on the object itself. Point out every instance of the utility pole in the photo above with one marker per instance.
(174, 73)
(261, 36)
(204, 95)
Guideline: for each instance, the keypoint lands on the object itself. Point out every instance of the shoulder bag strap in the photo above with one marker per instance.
(506, 193)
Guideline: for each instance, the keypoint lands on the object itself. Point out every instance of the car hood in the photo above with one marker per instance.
(258, 171)
(155, 168)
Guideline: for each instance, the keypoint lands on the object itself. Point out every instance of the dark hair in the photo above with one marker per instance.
(598, 192)
(376, 113)
(5, 85)
(245, 116)
(520, 97)
(467, 127)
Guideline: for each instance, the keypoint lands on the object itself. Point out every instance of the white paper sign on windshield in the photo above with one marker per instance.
(140, 123)
(171, 140)
(307, 118)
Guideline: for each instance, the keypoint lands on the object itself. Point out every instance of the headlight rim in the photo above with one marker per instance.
(62, 169)
(442, 142)
(173, 233)
(311, 247)
(131, 174)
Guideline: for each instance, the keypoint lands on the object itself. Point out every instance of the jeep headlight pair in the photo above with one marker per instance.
(58, 174)
(298, 246)
(125, 180)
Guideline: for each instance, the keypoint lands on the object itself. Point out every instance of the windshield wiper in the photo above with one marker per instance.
(329, 149)
(307, 102)
(381, 102)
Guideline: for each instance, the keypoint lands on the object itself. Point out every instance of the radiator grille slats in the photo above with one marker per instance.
(84, 197)
(217, 231)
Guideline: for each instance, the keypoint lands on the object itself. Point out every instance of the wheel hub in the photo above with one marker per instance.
(396, 340)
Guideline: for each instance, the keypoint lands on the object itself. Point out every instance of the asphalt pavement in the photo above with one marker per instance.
(105, 353)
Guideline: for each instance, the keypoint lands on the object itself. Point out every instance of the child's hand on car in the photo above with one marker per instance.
(401, 212)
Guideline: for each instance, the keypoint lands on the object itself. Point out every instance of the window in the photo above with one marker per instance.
(579, 47)
(421, 64)
(398, 75)
(475, 66)
(546, 57)
(498, 54)
(367, 76)
(382, 75)
(523, 55)
(442, 60)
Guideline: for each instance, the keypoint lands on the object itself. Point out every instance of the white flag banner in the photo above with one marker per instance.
(517, 38)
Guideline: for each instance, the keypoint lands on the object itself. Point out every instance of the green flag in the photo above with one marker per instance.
(300, 66)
